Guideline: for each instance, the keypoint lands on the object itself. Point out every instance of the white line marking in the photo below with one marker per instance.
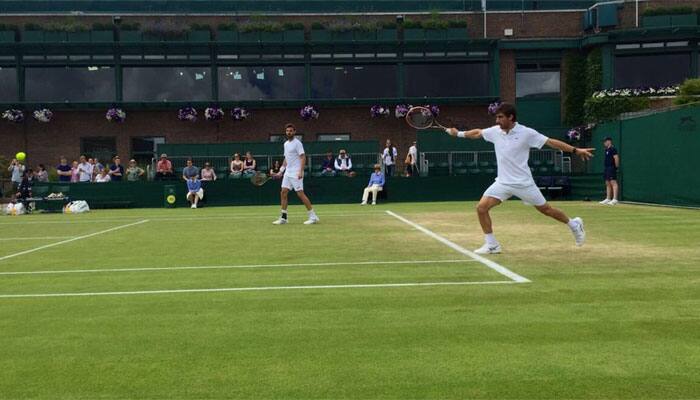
(251, 289)
(491, 264)
(88, 220)
(36, 238)
(71, 240)
(325, 264)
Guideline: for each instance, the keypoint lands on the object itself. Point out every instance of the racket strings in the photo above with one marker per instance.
(420, 118)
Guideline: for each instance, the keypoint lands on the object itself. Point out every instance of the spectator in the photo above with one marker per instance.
(84, 170)
(412, 161)
(376, 184)
(194, 191)
(96, 167)
(389, 156)
(249, 164)
(116, 170)
(74, 172)
(207, 173)
(343, 164)
(189, 171)
(164, 168)
(64, 170)
(103, 176)
(328, 165)
(276, 168)
(134, 172)
(24, 189)
(17, 170)
(236, 166)
(41, 175)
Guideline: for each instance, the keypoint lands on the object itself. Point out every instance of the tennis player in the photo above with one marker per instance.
(512, 143)
(293, 178)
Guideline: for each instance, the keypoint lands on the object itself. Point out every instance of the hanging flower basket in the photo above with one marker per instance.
(13, 115)
(434, 110)
(43, 115)
(308, 112)
(187, 114)
(574, 134)
(239, 113)
(115, 115)
(214, 114)
(401, 110)
(493, 107)
(379, 111)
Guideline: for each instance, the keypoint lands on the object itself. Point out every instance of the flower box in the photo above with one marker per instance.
(130, 36)
(33, 36)
(320, 35)
(102, 36)
(414, 34)
(7, 36)
(199, 36)
(79, 37)
(388, 35)
(684, 20)
(249, 37)
(656, 20)
(457, 33)
(294, 36)
(266, 36)
(227, 36)
(55, 36)
(436, 34)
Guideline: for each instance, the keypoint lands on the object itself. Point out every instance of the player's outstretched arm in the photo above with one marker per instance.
(470, 134)
(584, 153)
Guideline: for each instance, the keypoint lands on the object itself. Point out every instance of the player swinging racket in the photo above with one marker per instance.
(512, 143)
(293, 170)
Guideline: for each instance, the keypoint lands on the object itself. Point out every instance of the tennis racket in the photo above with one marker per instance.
(259, 178)
(422, 118)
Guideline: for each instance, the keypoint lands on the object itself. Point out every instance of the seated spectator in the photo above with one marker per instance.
(236, 166)
(41, 174)
(24, 190)
(84, 170)
(189, 171)
(74, 172)
(328, 165)
(134, 172)
(375, 185)
(103, 176)
(207, 173)
(116, 170)
(64, 170)
(249, 165)
(276, 168)
(343, 164)
(194, 191)
(164, 168)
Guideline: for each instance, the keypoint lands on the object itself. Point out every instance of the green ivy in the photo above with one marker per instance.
(575, 89)
(99, 26)
(594, 71)
(200, 27)
(689, 92)
(608, 108)
(5, 27)
(232, 26)
(293, 26)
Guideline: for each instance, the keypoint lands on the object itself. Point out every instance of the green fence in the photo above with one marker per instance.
(658, 156)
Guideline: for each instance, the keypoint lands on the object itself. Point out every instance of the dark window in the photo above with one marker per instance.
(332, 137)
(447, 80)
(104, 148)
(539, 83)
(143, 149)
(652, 70)
(167, 83)
(261, 83)
(8, 84)
(353, 81)
(80, 84)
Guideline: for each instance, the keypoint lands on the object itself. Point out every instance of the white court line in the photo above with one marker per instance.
(491, 264)
(272, 216)
(71, 240)
(251, 289)
(36, 238)
(325, 264)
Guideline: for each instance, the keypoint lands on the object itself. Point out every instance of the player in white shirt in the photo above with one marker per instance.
(512, 143)
(293, 170)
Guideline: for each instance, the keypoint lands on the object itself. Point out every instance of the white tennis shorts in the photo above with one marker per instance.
(199, 193)
(293, 183)
(530, 195)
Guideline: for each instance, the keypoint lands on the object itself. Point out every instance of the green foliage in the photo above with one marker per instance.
(457, 24)
(231, 26)
(69, 25)
(575, 89)
(411, 24)
(200, 27)
(259, 24)
(345, 25)
(134, 26)
(652, 12)
(7, 27)
(293, 26)
(98, 26)
(607, 108)
(32, 27)
(165, 30)
(689, 92)
(318, 25)
(388, 25)
(594, 71)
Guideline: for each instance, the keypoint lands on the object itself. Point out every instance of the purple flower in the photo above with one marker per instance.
(434, 110)
(574, 134)
(187, 114)
(239, 113)
(13, 115)
(115, 115)
(379, 111)
(308, 112)
(401, 110)
(493, 107)
(43, 115)
(213, 113)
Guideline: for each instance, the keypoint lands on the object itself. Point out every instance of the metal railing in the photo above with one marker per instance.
(464, 162)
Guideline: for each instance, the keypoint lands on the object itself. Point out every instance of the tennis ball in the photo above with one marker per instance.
(170, 199)
(20, 156)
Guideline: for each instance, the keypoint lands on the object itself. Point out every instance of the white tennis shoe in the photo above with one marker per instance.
(612, 202)
(279, 221)
(312, 220)
(606, 201)
(489, 249)
(579, 232)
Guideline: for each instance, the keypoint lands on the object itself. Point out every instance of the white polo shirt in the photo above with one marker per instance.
(293, 150)
(513, 152)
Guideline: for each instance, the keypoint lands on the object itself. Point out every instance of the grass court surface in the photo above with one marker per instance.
(218, 302)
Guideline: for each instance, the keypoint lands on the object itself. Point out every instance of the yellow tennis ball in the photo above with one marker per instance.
(170, 199)
(20, 156)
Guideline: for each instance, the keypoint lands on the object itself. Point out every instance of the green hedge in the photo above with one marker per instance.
(689, 92)
(575, 90)
(601, 109)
